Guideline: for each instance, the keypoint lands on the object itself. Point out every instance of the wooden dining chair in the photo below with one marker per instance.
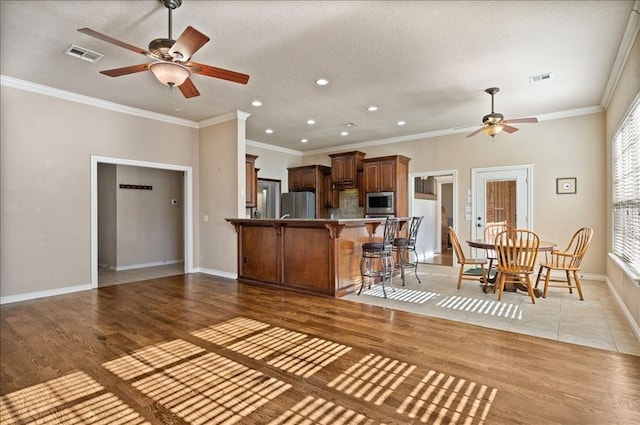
(567, 261)
(490, 231)
(517, 252)
(463, 261)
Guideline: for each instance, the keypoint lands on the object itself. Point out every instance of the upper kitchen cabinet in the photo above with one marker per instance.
(331, 196)
(345, 167)
(251, 176)
(386, 174)
(306, 178)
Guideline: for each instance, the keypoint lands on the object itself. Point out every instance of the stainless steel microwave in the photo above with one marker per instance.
(379, 203)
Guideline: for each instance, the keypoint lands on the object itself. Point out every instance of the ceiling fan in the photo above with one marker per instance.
(494, 122)
(172, 66)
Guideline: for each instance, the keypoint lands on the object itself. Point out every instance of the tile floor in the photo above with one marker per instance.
(596, 322)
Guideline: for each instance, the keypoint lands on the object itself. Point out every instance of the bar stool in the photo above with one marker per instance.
(404, 247)
(377, 257)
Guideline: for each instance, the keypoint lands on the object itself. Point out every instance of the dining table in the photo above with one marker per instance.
(545, 246)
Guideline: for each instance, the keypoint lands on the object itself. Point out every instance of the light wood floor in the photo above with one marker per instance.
(199, 349)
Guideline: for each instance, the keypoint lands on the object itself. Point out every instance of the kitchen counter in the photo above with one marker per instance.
(319, 256)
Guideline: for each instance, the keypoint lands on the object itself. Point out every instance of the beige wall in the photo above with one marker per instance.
(47, 145)
(221, 188)
(149, 227)
(570, 147)
(107, 216)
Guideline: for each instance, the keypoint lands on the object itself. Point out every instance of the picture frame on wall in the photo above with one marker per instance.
(566, 185)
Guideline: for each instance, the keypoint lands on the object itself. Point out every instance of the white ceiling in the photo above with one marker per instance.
(424, 62)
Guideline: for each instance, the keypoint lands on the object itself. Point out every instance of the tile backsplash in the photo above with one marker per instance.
(349, 207)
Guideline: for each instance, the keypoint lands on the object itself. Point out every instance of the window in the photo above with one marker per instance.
(626, 189)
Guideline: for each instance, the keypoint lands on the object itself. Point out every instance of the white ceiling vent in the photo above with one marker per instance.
(540, 78)
(82, 53)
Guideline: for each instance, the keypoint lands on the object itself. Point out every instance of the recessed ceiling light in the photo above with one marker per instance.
(311, 122)
(268, 131)
(401, 123)
(344, 133)
(372, 108)
(303, 140)
(351, 124)
(256, 103)
(322, 81)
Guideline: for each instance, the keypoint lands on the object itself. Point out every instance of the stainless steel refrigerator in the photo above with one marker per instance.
(298, 205)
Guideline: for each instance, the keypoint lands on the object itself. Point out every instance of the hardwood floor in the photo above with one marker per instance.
(442, 259)
(199, 349)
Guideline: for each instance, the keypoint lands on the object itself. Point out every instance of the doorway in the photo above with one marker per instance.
(187, 211)
(501, 194)
(433, 196)
(268, 205)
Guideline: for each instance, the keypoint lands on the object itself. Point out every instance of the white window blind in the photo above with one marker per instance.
(626, 189)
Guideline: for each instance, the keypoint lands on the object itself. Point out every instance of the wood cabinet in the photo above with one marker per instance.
(311, 178)
(313, 256)
(389, 174)
(302, 178)
(331, 196)
(345, 167)
(251, 177)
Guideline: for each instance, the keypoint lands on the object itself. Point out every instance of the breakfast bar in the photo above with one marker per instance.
(319, 256)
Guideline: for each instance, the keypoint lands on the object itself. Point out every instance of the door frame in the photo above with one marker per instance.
(454, 181)
(188, 210)
(475, 172)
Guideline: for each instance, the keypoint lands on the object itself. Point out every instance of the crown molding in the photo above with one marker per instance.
(629, 37)
(91, 101)
(224, 118)
(273, 147)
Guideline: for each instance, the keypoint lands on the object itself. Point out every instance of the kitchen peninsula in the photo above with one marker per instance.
(319, 256)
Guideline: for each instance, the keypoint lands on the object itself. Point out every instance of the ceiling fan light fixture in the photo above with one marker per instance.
(169, 73)
(492, 130)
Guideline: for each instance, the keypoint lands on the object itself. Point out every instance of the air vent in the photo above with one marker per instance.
(540, 78)
(82, 53)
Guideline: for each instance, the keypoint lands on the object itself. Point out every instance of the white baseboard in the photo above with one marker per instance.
(145, 265)
(43, 294)
(215, 272)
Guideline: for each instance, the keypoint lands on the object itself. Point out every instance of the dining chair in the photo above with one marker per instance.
(405, 247)
(517, 252)
(567, 261)
(463, 261)
(491, 229)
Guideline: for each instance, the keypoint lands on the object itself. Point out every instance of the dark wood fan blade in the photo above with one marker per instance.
(509, 129)
(212, 71)
(475, 132)
(126, 70)
(188, 89)
(519, 120)
(189, 42)
(100, 36)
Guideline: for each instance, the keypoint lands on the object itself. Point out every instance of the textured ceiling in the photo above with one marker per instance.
(424, 62)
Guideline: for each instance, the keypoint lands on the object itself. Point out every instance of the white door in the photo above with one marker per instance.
(501, 194)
